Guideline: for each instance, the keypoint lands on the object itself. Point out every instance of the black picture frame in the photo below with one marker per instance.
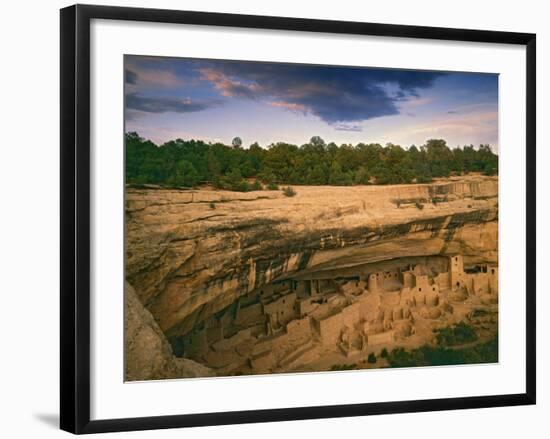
(75, 217)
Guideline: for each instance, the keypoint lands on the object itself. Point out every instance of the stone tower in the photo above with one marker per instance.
(457, 270)
(373, 282)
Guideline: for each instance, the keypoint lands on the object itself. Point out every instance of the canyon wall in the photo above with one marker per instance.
(189, 254)
(147, 353)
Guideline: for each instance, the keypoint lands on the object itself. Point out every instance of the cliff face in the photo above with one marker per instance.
(192, 253)
(148, 356)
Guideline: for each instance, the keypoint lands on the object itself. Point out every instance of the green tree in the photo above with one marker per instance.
(236, 142)
(317, 175)
(362, 176)
(185, 174)
(337, 177)
(317, 142)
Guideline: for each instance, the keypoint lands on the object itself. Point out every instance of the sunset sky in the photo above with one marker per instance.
(211, 100)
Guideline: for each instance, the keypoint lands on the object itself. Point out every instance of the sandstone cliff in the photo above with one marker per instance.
(192, 253)
(148, 356)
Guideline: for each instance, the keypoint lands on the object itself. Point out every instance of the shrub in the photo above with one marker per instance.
(399, 357)
(273, 186)
(440, 356)
(233, 181)
(384, 353)
(458, 334)
(212, 205)
(289, 191)
(424, 178)
(489, 169)
(241, 186)
(344, 366)
(256, 186)
(371, 358)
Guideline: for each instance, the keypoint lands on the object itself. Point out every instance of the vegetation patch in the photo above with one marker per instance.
(441, 356)
(455, 335)
(256, 186)
(352, 366)
(289, 191)
(190, 163)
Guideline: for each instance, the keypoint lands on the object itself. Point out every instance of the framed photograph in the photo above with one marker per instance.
(267, 219)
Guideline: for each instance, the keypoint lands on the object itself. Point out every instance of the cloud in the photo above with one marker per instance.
(228, 86)
(163, 78)
(415, 102)
(297, 108)
(452, 112)
(131, 115)
(334, 94)
(347, 127)
(165, 105)
(151, 77)
(130, 77)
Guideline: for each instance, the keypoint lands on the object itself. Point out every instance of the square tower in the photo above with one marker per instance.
(372, 282)
(457, 270)
(457, 264)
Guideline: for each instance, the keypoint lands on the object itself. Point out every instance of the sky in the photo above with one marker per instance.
(216, 100)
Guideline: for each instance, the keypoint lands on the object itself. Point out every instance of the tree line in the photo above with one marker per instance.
(188, 163)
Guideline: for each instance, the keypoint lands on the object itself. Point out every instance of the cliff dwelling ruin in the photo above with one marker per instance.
(264, 283)
(316, 320)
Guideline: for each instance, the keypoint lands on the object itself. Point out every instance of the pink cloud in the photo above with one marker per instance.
(228, 86)
(415, 102)
(163, 78)
(289, 106)
(159, 77)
